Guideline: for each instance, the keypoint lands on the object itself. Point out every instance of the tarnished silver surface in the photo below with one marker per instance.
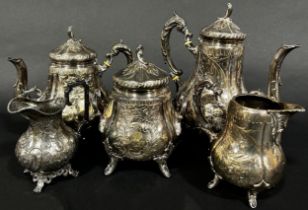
(139, 121)
(248, 154)
(71, 62)
(47, 146)
(217, 77)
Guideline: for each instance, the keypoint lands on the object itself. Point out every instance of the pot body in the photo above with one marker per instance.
(249, 153)
(140, 125)
(47, 145)
(217, 77)
(61, 75)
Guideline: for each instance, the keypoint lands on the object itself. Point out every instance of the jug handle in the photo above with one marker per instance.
(115, 50)
(179, 23)
(68, 90)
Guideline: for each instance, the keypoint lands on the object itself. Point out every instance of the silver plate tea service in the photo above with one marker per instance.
(140, 119)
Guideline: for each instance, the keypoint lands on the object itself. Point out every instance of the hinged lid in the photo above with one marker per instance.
(223, 28)
(141, 75)
(72, 50)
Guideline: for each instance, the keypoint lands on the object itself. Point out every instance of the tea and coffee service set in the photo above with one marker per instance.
(140, 119)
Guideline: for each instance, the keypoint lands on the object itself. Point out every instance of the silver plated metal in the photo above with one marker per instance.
(217, 77)
(73, 61)
(139, 121)
(47, 146)
(249, 154)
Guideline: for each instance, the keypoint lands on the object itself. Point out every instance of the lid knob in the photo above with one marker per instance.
(229, 10)
(139, 53)
(72, 50)
(70, 32)
(223, 28)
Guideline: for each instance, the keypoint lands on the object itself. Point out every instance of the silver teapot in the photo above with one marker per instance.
(70, 62)
(249, 154)
(139, 122)
(217, 77)
(47, 146)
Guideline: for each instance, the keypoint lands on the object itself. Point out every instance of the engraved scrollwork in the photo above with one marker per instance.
(139, 122)
(211, 110)
(219, 58)
(139, 130)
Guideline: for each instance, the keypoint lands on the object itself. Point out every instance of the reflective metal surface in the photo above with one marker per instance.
(139, 121)
(74, 61)
(248, 154)
(217, 77)
(71, 62)
(47, 146)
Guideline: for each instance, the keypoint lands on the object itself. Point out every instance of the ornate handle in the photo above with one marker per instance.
(115, 50)
(216, 108)
(68, 90)
(179, 23)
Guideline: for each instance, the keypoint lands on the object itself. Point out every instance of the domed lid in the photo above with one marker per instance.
(223, 28)
(141, 75)
(72, 50)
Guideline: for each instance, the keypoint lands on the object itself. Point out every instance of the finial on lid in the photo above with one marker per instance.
(229, 10)
(175, 13)
(70, 32)
(139, 53)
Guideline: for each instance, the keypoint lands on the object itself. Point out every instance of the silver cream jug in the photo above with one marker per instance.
(249, 154)
(47, 146)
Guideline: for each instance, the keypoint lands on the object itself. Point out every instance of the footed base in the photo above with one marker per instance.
(41, 178)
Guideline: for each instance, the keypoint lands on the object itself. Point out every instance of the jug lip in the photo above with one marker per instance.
(43, 107)
(263, 103)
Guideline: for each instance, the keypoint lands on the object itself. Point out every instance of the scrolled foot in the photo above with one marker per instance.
(72, 172)
(111, 166)
(252, 198)
(41, 178)
(162, 163)
(214, 182)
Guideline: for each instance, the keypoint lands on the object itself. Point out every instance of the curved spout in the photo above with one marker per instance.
(274, 71)
(22, 75)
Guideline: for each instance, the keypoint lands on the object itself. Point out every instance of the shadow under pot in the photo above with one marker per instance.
(139, 122)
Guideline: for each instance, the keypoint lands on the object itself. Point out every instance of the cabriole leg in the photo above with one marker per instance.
(111, 166)
(39, 186)
(162, 163)
(252, 198)
(214, 182)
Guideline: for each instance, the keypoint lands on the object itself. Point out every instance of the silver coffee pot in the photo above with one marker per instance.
(217, 77)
